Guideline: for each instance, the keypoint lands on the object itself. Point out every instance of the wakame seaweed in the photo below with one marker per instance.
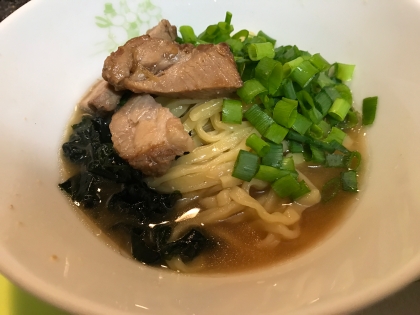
(105, 178)
(151, 246)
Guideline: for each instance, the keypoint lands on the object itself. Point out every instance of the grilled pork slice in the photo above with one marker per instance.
(163, 30)
(101, 98)
(148, 136)
(161, 67)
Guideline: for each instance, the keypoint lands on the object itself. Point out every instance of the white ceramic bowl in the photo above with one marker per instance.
(51, 51)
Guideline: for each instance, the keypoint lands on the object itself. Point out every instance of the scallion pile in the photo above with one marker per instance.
(294, 99)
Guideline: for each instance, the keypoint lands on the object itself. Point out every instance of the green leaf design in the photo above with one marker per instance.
(109, 9)
(102, 22)
(123, 22)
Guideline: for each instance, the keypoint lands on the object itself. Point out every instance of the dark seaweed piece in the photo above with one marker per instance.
(143, 203)
(137, 208)
(90, 145)
(83, 189)
(144, 248)
(79, 147)
(150, 245)
(187, 247)
(147, 243)
(106, 163)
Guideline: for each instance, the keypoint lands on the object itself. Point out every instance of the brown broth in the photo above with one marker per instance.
(316, 223)
(241, 252)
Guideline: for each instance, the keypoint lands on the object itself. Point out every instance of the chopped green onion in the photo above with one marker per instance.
(336, 134)
(318, 155)
(257, 144)
(305, 55)
(247, 70)
(232, 111)
(319, 62)
(292, 64)
(344, 92)
(307, 107)
(274, 157)
(256, 40)
(353, 160)
(289, 90)
(241, 35)
(258, 51)
(311, 113)
(349, 181)
(295, 147)
(268, 103)
(369, 110)
(269, 173)
(246, 165)
(324, 80)
(352, 119)
(332, 93)
(228, 17)
(314, 115)
(291, 101)
(328, 147)
(304, 73)
(258, 118)
(268, 38)
(285, 113)
(269, 73)
(338, 147)
(301, 124)
(276, 133)
(285, 186)
(188, 35)
(334, 160)
(288, 164)
(250, 90)
(294, 136)
(339, 109)
(326, 127)
(330, 189)
(295, 96)
(323, 102)
(287, 53)
(303, 190)
(219, 32)
(344, 72)
(235, 45)
(316, 131)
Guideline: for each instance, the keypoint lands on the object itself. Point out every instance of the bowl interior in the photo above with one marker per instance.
(46, 247)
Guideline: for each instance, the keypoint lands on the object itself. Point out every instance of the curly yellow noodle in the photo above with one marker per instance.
(204, 178)
(209, 137)
(205, 110)
(182, 170)
(289, 217)
(209, 151)
(208, 216)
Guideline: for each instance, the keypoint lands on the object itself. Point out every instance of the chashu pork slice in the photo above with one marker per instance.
(163, 30)
(163, 67)
(148, 135)
(102, 98)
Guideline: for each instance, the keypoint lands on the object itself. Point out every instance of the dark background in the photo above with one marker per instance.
(8, 6)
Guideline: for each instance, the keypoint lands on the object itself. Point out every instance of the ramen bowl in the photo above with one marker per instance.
(52, 51)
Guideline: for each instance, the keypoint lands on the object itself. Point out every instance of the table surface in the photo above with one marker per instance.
(15, 301)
